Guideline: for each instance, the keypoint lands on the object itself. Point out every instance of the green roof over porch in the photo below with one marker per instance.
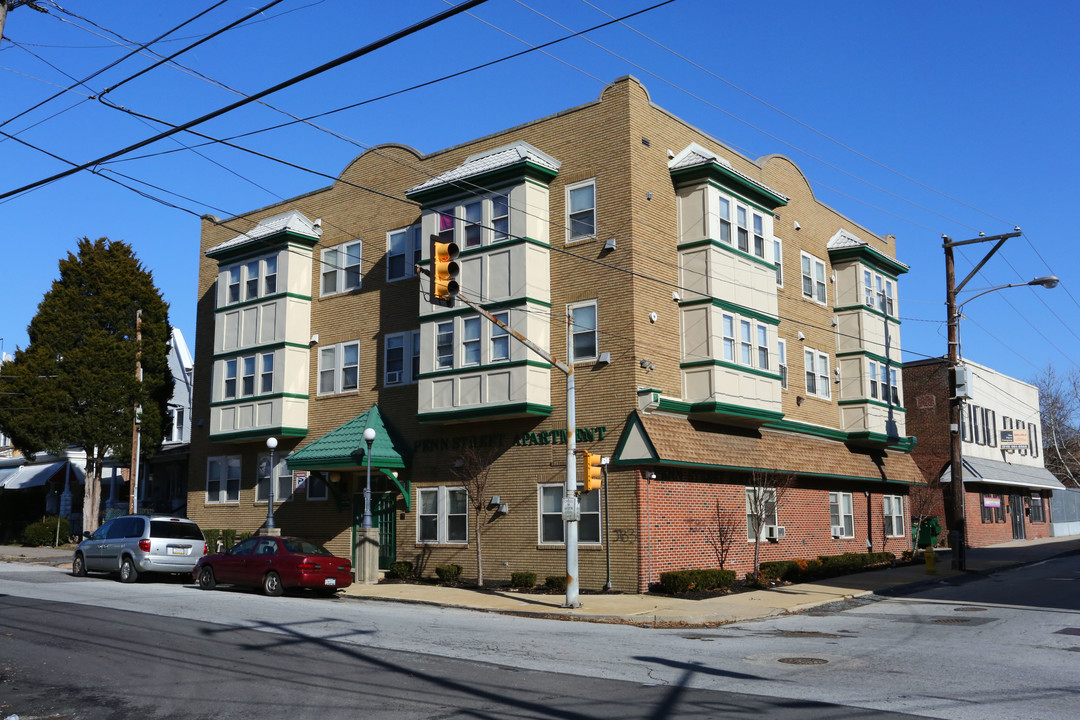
(343, 448)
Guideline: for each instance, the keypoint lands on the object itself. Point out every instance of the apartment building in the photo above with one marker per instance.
(731, 337)
(1007, 489)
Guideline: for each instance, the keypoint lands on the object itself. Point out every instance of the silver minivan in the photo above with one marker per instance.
(136, 544)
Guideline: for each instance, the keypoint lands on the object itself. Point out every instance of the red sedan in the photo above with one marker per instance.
(275, 564)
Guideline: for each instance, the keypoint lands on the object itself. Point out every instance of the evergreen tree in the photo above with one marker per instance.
(75, 384)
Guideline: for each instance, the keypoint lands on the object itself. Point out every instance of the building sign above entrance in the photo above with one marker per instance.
(544, 437)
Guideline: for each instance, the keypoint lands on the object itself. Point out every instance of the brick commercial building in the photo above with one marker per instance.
(728, 333)
(1007, 489)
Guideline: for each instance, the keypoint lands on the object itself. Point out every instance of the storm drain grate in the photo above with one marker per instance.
(803, 661)
(950, 621)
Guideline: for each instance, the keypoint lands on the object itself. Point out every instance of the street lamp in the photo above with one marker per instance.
(957, 522)
(271, 443)
(369, 438)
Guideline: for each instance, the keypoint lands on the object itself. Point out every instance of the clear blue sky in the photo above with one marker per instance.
(963, 117)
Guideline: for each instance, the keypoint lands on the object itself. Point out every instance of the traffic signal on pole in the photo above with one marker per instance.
(444, 271)
(593, 474)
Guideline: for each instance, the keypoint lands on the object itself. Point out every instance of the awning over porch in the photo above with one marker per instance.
(674, 441)
(978, 470)
(344, 448)
(28, 476)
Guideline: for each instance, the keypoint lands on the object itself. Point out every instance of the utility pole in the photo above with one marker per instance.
(136, 436)
(6, 5)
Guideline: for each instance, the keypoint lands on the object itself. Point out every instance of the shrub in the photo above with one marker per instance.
(523, 579)
(229, 538)
(211, 537)
(676, 582)
(400, 570)
(778, 570)
(43, 532)
(448, 573)
(555, 583)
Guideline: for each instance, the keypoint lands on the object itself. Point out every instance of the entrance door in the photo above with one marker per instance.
(382, 517)
(1016, 509)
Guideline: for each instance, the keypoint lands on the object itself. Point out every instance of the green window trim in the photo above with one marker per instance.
(472, 369)
(450, 191)
(261, 247)
(872, 356)
(722, 178)
(729, 365)
(726, 248)
(258, 349)
(871, 401)
(258, 433)
(867, 308)
(253, 398)
(867, 255)
(259, 300)
(490, 307)
(486, 412)
(732, 307)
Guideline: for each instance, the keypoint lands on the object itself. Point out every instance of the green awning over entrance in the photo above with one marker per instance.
(344, 448)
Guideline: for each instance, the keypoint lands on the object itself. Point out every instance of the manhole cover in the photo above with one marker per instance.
(969, 609)
(950, 621)
(803, 661)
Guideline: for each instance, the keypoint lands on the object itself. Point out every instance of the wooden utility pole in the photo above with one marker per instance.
(136, 436)
(6, 5)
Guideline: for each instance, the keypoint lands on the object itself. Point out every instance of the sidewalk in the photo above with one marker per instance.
(658, 610)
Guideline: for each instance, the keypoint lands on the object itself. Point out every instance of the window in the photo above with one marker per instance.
(176, 431)
(759, 235)
(446, 226)
(284, 485)
(729, 338)
(339, 368)
(316, 486)
(873, 380)
(1033, 439)
(745, 340)
(266, 377)
(813, 279)
(444, 344)
(402, 253)
(581, 210)
(234, 284)
(443, 516)
(893, 510)
(474, 219)
(991, 428)
(1037, 514)
(552, 526)
(270, 275)
(883, 383)
(397, 349)
(975, 412)
(230, 380)
(247, 380)
(762, 347)
(760, 507)
(992, 508)
(781, 351)
(582, 331)
(724, 215)
(840, 513)
(817, 373)
(223, 479)
(470, 341)
(868, 288)
(878, 292)
(744, 233)
(341, 268)
(500, 339)
(778, 258)
(500, 217)
(251, 280)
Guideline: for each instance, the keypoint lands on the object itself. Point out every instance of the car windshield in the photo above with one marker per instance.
(304, 547)
(174, 530)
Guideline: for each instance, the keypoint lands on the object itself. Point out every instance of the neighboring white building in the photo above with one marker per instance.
(182, 367)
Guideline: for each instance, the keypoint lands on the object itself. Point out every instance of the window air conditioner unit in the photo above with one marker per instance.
(393, 377)
(774, 532)
(837, 531)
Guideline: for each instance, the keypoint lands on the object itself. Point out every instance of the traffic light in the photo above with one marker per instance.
(444, 271)
(593, 474)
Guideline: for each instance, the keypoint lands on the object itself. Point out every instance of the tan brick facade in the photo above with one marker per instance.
(625, 143)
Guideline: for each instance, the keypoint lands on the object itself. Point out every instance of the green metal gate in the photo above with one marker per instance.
(382, 517)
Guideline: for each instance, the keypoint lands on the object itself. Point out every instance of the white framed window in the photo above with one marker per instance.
(760, 507)
(403, 252)
(759, 235)
(233, 295)
(223, 479)
(816, 365)
(841, 514)
(341, 268)
(444, 344)
(762, 347)
(723, 214)
(551, 527)
(473, 213)
(401, 358)
(251, 280)
(778, 258)
(283, 488)
(729, 337)
(176, 422)
(228, 392)
(781, 353)
(247, 378)
(500, 339)
(743, 230)
(883, 383)
(266, 374)
(339, 368)
(500, 217)
(878, 292)
(270, 275)
(893, 510)
(813, 279)
(746, 340)
(316, 487)
(581, 210)
(582, 331)
(470, 341)
(443, 516)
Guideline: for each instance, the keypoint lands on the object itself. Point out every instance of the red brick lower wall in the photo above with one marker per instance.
(981, 534)
(676, 519)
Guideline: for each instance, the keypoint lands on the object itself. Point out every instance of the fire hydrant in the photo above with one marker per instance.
(931, 561)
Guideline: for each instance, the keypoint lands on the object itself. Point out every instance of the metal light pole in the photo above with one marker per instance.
(369, 438)
(271, 443)
(957, 520)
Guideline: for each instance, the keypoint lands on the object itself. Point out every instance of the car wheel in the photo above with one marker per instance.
(272, 584)
(128, 573)
(78, 566)
(206, 578)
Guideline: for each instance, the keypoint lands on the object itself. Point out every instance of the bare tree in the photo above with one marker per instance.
(764, 493)
(474, 474)
(721, 530)
(1059, 404)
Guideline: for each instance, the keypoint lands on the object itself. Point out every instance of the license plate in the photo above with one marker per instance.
(330, 581)
(176, 551)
